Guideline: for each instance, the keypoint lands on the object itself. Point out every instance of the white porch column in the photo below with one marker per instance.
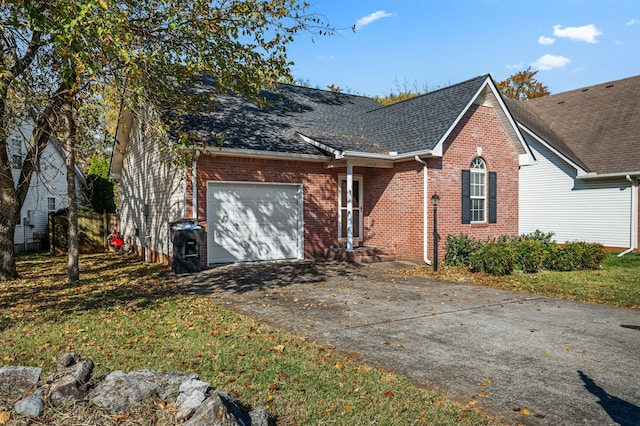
(349, 207)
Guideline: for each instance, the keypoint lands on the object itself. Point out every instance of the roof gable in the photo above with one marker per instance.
(421, 123)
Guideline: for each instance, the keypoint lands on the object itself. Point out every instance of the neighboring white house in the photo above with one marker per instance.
(584, 185)
(47, 191)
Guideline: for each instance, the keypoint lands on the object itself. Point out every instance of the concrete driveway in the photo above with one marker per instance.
(566, 363)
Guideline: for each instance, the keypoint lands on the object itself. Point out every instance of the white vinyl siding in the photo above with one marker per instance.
(552, 199)
(48, 181)
(150, 177)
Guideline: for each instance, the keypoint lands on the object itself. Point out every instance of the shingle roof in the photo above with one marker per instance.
(241, 124)
(597, 126)
(341, 121)
(420, 123)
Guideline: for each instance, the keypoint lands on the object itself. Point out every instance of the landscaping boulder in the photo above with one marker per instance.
(15, 382)
(70, 382)
(195, 402)
(119, 391)
(31, 406)
(192, 394)
(222, 409)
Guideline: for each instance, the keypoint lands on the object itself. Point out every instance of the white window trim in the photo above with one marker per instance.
(356, 178)
(483, 197)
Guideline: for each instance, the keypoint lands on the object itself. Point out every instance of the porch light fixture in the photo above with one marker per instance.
(435, 199)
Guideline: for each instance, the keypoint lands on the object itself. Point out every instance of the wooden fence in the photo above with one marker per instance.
(93, 230)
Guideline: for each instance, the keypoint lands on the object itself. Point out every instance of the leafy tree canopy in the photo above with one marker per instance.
(523, 85)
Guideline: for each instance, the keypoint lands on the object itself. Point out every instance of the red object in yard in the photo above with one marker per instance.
(117, 242)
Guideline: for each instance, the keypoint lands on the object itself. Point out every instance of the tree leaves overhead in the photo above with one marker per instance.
(55, 51)
(523, 85)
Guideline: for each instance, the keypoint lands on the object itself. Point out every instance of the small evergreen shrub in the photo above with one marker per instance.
(558, 258)
(495, 258)
(529, 254)
(458, 249)
(586, 255)
(538, 235)
(574, 256)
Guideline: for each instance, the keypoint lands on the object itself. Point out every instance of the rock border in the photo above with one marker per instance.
(196, 403)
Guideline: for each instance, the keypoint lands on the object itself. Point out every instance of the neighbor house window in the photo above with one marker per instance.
(51, 204)
(479, 193)
(16, 163)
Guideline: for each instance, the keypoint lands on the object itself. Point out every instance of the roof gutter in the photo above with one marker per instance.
(623, 175)
(254, 153)
(392, 156)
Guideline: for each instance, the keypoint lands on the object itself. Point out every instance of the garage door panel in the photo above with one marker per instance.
(254, 221)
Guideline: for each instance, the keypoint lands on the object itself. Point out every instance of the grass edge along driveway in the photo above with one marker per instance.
(128, 315)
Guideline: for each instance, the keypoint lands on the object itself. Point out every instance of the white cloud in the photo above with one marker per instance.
(587, 33)
(549, 62)
(546, 41)
(366, 20)
(515, 66)
(633, 21)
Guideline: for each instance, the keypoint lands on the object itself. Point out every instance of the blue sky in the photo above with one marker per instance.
(418, 44)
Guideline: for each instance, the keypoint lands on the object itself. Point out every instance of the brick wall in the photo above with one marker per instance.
(320, 190)
(394, 203)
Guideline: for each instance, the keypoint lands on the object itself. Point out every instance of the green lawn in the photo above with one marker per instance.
(127, 315)
(617, 283)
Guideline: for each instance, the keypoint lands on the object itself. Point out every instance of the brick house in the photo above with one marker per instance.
(315, 172)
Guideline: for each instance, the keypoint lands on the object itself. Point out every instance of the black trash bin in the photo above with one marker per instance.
(187, 238)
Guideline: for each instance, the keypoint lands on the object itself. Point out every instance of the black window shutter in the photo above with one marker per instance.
(466, 196)
(493, 205)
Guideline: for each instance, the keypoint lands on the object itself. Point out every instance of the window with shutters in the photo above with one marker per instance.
(479, 194)
(478, 190)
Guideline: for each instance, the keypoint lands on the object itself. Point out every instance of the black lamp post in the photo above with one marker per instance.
(434, 201)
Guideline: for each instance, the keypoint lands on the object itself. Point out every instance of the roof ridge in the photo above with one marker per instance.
(433, 92)
(604, 85)
(324, 90)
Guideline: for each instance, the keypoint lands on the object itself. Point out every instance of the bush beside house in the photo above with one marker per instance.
(528, 253)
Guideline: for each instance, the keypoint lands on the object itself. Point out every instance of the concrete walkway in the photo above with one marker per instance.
(566, 363)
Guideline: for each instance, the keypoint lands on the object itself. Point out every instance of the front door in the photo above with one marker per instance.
(357, 208)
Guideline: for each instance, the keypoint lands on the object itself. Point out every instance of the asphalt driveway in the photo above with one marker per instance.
(507, 353)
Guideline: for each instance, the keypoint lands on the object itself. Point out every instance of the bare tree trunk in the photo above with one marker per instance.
(70, 145)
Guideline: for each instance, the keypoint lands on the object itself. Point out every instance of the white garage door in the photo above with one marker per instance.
(254, 221)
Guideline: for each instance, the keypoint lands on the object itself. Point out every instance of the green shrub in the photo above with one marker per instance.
(558, 258)
(573, 256)
(538, 235)
(495, 258)
(586, 255)
(459, 248)
(529, 254)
